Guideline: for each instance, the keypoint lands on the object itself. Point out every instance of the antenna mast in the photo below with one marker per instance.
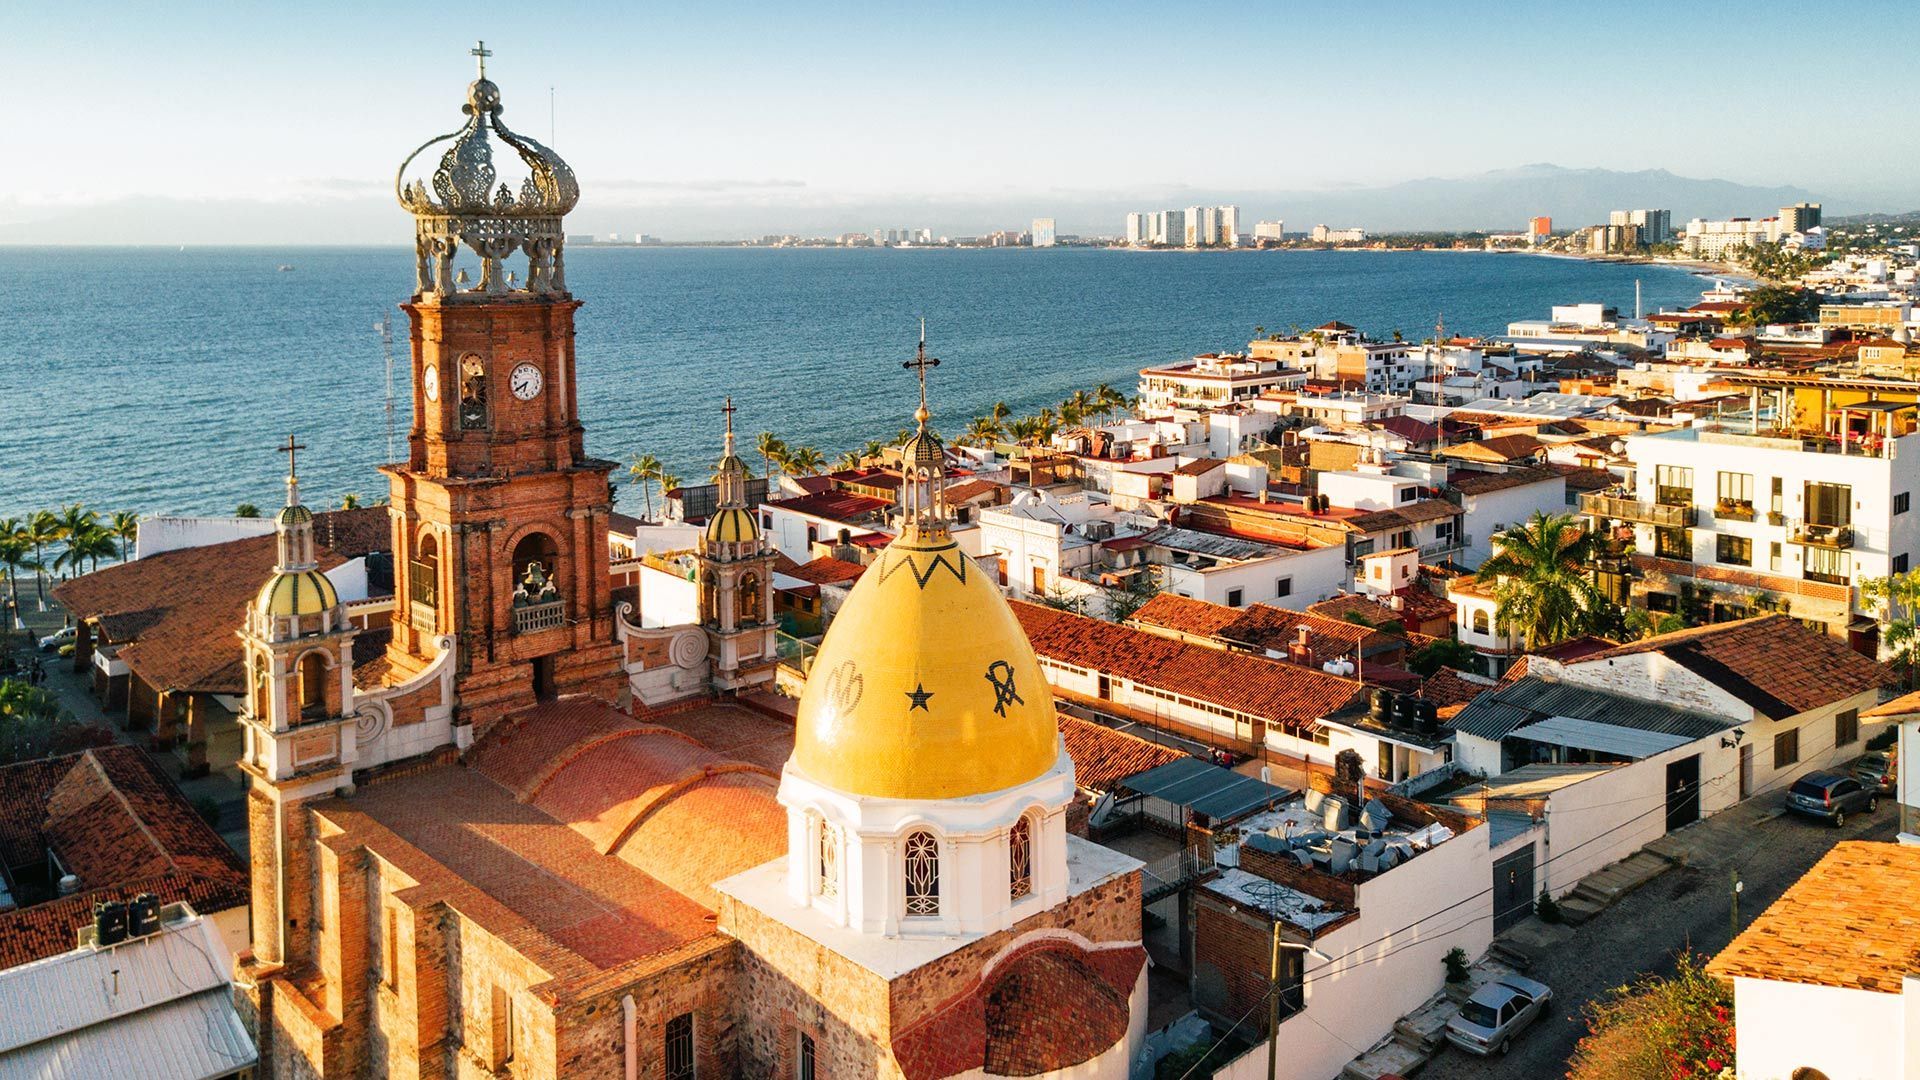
(385, 328)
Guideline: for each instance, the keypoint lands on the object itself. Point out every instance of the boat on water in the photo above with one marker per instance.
(286, 268)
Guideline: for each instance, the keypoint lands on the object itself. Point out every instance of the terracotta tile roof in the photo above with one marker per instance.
(1583, 477)
(1414, 431)
(1290, 694)
(177, 611)
(1200, 466)
(827, 570)
(1399, 517)
(1904, 705)
(1848, 922)
(833, 506)
(1501, 449)
(970, 489)
(1450, 690)
(1102, 757)
(1771, 662)
(1480, 483)
(1261, 627)
(119, 826)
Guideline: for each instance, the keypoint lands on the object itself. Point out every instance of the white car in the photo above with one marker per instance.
(62, 636)
(1496, 1013)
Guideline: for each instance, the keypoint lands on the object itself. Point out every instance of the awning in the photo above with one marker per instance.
(1220, 794)
(1604, 738)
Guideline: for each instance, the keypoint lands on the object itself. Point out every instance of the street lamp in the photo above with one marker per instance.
(1273, 991)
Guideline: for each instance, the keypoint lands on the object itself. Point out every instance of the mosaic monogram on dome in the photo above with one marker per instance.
(1000, 674)
(845, 684)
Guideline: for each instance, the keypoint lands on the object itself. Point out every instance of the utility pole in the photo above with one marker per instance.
(1273, 1003)
(1733, 876)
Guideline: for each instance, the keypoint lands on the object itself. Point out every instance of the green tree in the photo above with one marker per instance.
(33, 725)
(1134, 594)
(1443, 652)
(84, 546)
(1060, 598)
(1770, 304)
(246, 510)
(1897, 600)
(645, 470)
(849, 460)
(42, 528)
(805, 461)
(981, 431)
(771, 448)
(350, 501)
(1542, 576)
(1679, 1027)
(16, 554)
(126, 529)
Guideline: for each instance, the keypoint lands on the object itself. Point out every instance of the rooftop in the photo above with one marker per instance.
(833, 505)
(1848, 922)
(1262, 627)
(1771, 662)
(1537, 708)
(1481, 483)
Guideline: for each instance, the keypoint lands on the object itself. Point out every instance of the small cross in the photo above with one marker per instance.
(921, 362)
(290, 448)
(480, 50)
(729, 410)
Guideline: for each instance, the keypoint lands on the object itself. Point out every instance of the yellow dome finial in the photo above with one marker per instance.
(922, 460)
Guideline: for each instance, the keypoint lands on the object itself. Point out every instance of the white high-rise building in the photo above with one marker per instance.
(1136, 229)
(1275, 230)
(1043, 234)
(1229, 235)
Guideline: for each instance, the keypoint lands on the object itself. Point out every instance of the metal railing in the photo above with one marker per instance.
(534, 617)
(1620, 508)
(423, 617)
(1812, 534)
(1165, 876)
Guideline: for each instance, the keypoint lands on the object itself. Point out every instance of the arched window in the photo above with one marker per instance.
(473, 393)
(1480, 625)
(311, 684)
(826, 862)
(922, 873)
(747, 599)
(1020, 858)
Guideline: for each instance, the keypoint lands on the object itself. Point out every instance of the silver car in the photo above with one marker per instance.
(1496, 1013)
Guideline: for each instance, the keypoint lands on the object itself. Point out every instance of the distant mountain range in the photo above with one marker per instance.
(1501, 200)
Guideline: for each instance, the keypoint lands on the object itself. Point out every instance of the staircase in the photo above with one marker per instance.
(1603, 888)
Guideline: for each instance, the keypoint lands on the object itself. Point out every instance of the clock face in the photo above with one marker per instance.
(525, 382)
(430, 382)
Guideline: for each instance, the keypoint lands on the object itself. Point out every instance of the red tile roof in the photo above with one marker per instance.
(1771, 662)
(1501, 449)
(1480, 483)
(833, 506)
(827, 570)
(1262, 627)
(1848, 922)
(1102, 757)
(118, 825)
(1450, 690)
(1290, 694)
(1200, 466)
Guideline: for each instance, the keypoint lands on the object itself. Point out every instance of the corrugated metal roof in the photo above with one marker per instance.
(154, 1008)
(198, 1037)
(1601, 737)
(1495, 714)
(1213, 544)
(1221, 794)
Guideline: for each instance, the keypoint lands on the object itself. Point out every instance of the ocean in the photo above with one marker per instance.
(160, 381)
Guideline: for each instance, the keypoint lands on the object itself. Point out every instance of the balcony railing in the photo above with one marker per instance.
(534, 617)
(1446, 545)
(423, 617)
(1619, 508)
(1728, 510)
(1810, 534)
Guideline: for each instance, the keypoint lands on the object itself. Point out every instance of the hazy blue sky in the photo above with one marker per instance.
(774, 107)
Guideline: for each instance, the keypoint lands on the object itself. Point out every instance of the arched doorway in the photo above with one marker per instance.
(310, 686)
(537, 601)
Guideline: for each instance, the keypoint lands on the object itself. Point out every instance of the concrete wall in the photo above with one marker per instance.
(1315, 575)
(171, 533)
(1380, 972)
(1495, 511)
(1846, 1034)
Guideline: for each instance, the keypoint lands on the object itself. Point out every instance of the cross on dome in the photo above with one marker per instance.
(480, 50)
(292, 448)
(729, 410)
(921, 362)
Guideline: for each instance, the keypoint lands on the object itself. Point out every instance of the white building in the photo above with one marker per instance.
(1236, 571)
(1800, 517)
(1823, 980)
(1275, 230)
(1136, 229)
(1040, 538)
(1211, 380)
(1492, 502)
(1043, 233)
(1655, 226)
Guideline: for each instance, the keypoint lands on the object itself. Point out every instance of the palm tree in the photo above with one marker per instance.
(1000, 412)
(84, 546)
(981, 431)
(246, 510)
(350, 501)
(669, 484)
(1541, 571)
(849, 460)
(771, 448)
(126, 529)
(646, 469)
(15, 555)
(1080, 404)
(42, 529)
(805, 460)
(1109, 400)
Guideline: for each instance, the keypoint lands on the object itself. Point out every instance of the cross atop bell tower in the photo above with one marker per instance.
(480, 50)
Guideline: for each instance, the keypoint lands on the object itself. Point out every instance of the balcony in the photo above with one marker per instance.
(1812, 534)
(423, 617)
(1731, 510)
(1446, 545)
(531, 618)
(1617, 507)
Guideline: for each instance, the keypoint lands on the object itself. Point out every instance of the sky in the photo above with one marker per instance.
(254, 118)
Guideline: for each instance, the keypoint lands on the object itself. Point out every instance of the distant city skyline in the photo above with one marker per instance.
(261, 124)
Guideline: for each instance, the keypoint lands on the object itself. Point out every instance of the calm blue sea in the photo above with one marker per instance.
(160, 380)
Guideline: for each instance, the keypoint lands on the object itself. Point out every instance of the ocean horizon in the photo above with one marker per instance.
(159, 380)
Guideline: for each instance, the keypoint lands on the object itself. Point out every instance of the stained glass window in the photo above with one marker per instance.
(923, 874)
(827, 868)
(1020, 858)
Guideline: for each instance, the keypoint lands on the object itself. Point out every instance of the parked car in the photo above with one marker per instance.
(63, 636)
(1879, 770)
(1832, 797)
(1496, 1013)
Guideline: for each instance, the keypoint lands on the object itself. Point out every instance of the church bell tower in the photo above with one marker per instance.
(499, 516)
(736, 582)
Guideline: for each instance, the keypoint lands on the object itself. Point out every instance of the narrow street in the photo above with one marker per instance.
(1688, 906)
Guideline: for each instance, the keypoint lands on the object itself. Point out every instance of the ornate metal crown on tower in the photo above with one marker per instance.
(461, 204)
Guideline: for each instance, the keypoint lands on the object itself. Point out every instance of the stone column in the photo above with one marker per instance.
(195, 747)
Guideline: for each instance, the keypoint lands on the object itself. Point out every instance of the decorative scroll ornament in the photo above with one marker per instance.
(465, 201)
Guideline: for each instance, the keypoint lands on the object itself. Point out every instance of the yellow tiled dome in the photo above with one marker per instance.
(732, 525)
(296, 592)
(925, 687)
